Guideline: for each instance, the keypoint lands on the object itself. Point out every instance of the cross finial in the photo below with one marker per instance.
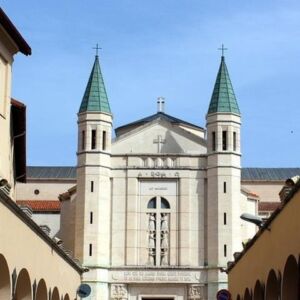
(160, 104)
(97, 48)
(223, 49)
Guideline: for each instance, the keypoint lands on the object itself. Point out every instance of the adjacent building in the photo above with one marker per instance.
(32, 265)
(268, 267)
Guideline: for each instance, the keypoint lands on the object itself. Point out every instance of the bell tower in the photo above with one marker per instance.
(223, 122)
(92, 224)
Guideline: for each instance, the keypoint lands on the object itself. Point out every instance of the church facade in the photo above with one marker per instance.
(155, 211)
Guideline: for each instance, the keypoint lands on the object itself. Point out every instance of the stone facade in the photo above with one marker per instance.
(157, 208)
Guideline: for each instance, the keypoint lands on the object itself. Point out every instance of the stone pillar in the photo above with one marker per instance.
(118, 292)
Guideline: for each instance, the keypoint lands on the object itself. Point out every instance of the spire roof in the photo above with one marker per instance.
(223, 97)
(95, 97)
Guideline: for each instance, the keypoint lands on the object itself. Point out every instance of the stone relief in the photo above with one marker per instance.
(196, 291)
(152, 239)
(164, 242)
(158, 248)
(119, 291)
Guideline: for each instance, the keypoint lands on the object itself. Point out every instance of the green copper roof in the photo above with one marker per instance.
(223, 98)
(95, 97)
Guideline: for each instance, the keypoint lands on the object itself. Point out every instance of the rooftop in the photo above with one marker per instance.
(248, 174)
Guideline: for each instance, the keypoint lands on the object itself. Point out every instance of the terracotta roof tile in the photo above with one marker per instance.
(268, 206)
(41, 205)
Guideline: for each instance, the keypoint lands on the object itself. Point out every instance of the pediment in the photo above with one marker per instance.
(157, 137)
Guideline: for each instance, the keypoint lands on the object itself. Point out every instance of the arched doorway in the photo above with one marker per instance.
(272, 286)
(258, 291)
(247, 295)
(290, 279)
(23, 286)
(41, 291)
(5, 289)
(55, 294)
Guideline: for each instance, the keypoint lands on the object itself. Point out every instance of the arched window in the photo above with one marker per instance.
(152, 203)
(164, 204)
(158, 231)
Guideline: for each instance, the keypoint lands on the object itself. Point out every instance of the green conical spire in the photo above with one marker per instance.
(95, 97)
(223, 98)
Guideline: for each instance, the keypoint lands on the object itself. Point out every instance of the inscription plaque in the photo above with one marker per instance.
(155, 276)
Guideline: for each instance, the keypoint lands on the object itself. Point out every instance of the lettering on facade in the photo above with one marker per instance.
(158, 174)
(155, 276)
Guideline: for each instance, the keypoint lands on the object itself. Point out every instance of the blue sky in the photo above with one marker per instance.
(160, 48)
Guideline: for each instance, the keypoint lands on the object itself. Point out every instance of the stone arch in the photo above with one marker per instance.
(23, 286)
(258, 291)
(5, 289)
(247, 295)
(290, 279)
(55, 294)
(272, 286)
(41, 291)
(67, 297)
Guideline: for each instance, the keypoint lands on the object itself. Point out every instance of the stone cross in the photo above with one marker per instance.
(159, 141)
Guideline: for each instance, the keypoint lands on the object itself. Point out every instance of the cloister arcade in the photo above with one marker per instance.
(18, 285)
(279, 284)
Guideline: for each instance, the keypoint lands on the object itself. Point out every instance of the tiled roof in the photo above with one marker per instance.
(223, 97)
(268, 206)
(95, 97)
(41, 205)
(45, 172)
(248, 174)
(153, 117)
(269, 174)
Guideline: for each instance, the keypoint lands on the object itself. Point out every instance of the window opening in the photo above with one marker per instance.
(91, 217)
(152, 203)
(213, 141)
(91, 250)
(83, 140)
(225, 250)
(225, 218)
(224, 187)
(224, 140)
(92, 186)
(93, 144)
(104, 140)
(234, 141)
(164, 203)
(158, 231)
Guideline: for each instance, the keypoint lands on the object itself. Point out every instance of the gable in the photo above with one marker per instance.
(156, 137)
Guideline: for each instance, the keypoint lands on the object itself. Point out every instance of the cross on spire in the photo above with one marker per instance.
(97, 48)
(223, 49)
